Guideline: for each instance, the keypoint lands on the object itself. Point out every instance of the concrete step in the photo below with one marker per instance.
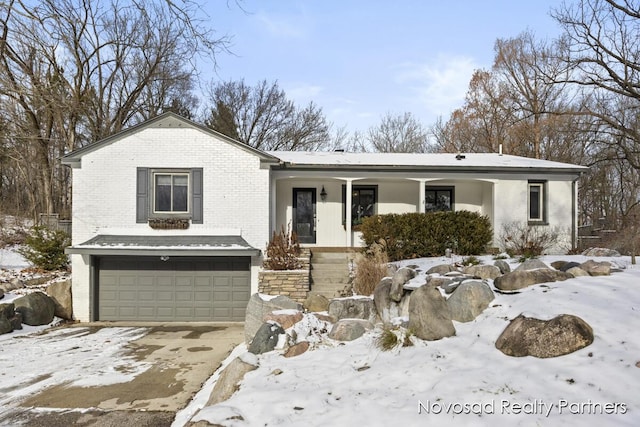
(330, 267)
(329, 272)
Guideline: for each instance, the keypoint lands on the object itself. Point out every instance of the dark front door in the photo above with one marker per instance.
(304, 214)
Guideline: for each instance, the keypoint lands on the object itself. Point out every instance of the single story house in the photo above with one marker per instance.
(171, 219)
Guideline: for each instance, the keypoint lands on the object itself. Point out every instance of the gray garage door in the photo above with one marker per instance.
(178, 289)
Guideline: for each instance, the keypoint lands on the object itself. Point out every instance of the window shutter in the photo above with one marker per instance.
(142, 195)
(196, 196)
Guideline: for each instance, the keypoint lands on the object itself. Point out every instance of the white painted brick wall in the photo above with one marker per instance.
(235, 192)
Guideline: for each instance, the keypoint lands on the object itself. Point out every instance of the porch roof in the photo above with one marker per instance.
(427, 161)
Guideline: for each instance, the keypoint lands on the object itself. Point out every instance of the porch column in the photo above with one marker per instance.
(421, 193)
(348, 201)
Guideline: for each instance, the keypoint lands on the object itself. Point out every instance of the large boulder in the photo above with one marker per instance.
(6, 314)
(577, 272)
(526, 336)
(266, 338)
(519, 279)
(36, 308)
(297, 349)
(258, 306)
(284, 318)
(531, 264)
(387, 309)
(599, 252)
(60, 293)
(469, 300)
(569, 265)
(483, 271)
(398, 281)
(230, 377)
(595, 268)
(1, 294)
(353, 308)
(503, 266)
(316, 303)
(440, 281)
(349, 329)
(429, 315)
(441, 269)
(382, 300)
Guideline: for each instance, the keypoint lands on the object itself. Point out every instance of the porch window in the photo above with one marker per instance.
(438, 199)
(363, 202)
(537, 197)
(171, 192)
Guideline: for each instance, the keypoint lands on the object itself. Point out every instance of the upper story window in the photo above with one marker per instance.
(163, 193)
(536, 198)
(363, 202)
(438, 199)
(171, 192)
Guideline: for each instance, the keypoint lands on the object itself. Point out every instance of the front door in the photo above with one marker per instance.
(304, 214)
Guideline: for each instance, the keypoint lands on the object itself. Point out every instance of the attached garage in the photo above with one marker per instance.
(169, 278)
(172, 288)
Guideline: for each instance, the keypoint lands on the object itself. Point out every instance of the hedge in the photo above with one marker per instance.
(416, 235)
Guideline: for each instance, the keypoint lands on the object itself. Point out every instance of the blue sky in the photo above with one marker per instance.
(359, 60)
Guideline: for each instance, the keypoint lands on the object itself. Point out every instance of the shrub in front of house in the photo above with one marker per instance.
(416, 235)
(44, 248)
(283, 251)
(527, 241)
(370, 268)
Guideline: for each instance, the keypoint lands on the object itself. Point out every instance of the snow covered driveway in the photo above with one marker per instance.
(153, 368)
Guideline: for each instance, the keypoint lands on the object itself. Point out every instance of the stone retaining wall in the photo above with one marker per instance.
(291, 283)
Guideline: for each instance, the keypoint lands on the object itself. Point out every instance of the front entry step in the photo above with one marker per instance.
(330, 272)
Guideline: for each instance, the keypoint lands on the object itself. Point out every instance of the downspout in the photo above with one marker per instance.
(574, 213)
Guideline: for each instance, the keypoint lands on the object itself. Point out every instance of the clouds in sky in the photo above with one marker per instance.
(362, 59)
(440, 84)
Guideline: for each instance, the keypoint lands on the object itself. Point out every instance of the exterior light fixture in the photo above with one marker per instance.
(164, 258)
(323, 194)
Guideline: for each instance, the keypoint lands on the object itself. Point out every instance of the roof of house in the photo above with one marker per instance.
(467, 161)
(346, 160)
(165, 120)
(103, 244)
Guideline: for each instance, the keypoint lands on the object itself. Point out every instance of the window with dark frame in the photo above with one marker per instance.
(171, 192)
(536, 201)
(438, 199)
(363, 202)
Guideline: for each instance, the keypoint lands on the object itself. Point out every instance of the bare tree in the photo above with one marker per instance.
(603, 55)
(75, 71)
(400, 133)
(261, 116)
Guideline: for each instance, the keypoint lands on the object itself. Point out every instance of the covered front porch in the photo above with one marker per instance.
(316, 205)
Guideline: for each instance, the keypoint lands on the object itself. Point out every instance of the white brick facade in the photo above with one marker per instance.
(235, 192)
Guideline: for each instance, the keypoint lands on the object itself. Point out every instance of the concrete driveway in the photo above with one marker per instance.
(179, 359)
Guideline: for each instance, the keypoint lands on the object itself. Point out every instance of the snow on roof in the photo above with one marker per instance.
(437, 160)
(149, 244)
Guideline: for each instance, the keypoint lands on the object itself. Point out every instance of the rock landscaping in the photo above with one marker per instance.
(43, 297)
(426, 307)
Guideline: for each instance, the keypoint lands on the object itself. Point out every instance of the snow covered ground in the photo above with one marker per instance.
(458, 381)
(462, 380)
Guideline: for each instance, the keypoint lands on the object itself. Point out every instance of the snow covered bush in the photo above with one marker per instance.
(44, 248)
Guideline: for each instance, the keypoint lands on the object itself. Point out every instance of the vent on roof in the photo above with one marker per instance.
(460, 156)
